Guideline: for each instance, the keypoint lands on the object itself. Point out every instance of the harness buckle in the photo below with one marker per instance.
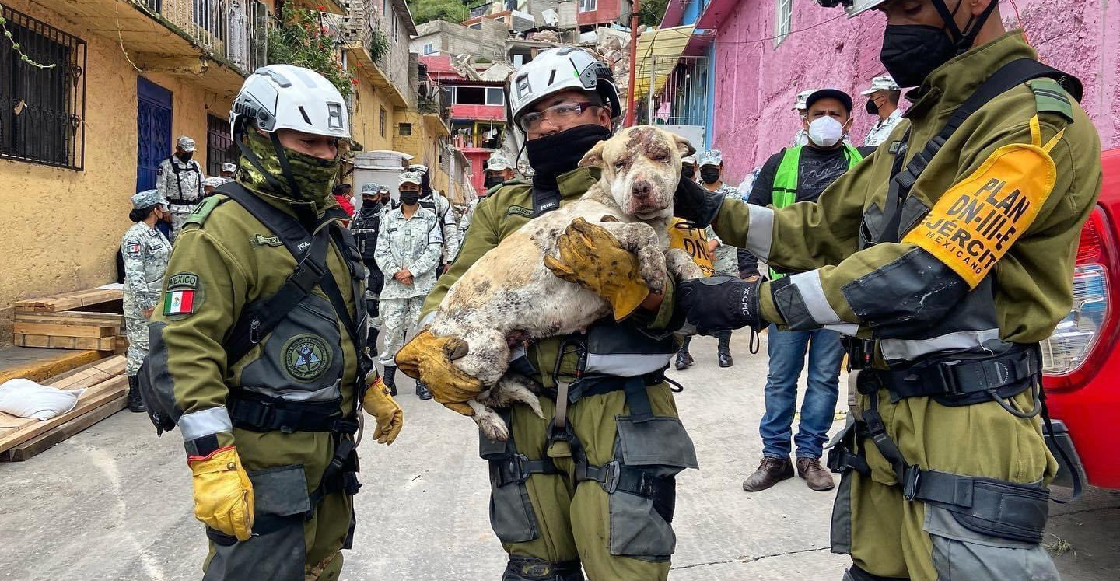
(948, 378)
(611, 473)
(254, 331)
(911, 482)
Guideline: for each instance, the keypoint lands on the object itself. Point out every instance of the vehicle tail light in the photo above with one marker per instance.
(1078, 346)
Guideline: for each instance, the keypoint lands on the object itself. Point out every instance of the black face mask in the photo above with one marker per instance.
(560, 153)
(872, 108)
(410, 198)
(688, 171)
(493, 180)
(709, 174)
(186, 156)
(912, 51)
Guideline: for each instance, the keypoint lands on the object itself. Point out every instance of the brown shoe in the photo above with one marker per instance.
(815, 475)
(770, 472)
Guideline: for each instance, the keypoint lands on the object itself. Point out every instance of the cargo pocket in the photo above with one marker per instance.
(301, 360)
(511, 511)
(277, 550)
(657, 448)
(963, 554)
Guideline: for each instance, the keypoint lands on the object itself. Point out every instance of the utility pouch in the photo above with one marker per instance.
(277, 550)
(511, 512)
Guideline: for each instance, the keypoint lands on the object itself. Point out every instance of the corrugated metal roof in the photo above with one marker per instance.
(658, 52)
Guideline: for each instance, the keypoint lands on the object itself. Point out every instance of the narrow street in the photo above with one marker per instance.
(114, 502)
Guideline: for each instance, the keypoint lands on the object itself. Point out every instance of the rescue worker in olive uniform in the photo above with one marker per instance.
(179, 180)
(365, 226)
(945, 257)
(592, 486)
(145, 252)
(408, 250)
(499, 171)
(257, 352)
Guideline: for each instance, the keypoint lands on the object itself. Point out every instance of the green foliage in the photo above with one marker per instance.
(449, 10)
(304, 41)
(650, 12)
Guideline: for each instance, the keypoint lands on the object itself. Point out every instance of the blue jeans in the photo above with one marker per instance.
(787, 356)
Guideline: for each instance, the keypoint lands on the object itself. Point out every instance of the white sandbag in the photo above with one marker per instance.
(27, 399)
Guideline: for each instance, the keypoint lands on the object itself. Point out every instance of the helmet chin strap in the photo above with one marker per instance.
(963, 40)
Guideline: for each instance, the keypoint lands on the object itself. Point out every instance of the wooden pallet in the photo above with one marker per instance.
(46, 322)
(106, 387)
(69, 301)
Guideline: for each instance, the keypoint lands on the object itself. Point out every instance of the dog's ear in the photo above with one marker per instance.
(683, 146)
(594, 158)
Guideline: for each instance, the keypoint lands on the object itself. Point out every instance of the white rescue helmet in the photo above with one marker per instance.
(289, 97)
(556, 70)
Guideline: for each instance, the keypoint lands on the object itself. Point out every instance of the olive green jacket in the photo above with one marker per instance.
(1032, 282)
(502, 213)
(229, 259)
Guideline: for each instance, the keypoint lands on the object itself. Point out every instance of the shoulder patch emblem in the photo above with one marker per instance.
(134, 249)
(1050, 97)
(519, 211)
(202, 211)
(262, 240)
(183, 295)
(306, 357)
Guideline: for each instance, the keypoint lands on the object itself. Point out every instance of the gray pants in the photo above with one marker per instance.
(400, 317)
(136, 329)
(179, 216)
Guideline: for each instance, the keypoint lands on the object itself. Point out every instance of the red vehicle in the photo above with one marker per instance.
(1080, 373)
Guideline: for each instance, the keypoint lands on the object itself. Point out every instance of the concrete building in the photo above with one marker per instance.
(763, 52)
(478, 112)
(594, 13)
(77, 140)
(440, 37)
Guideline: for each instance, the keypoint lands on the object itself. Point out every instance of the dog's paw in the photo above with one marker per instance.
(492, 426)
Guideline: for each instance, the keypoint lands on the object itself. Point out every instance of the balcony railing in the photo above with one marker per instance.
(236, 30)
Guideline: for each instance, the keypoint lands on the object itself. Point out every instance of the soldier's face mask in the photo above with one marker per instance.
(493, 179)
(912, 51)
(186, 155)
(313, 178)
(709, 174)
(688, 171)
(872, 108)
(410, 197)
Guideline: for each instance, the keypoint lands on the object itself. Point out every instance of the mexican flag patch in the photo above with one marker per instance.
(179, 302)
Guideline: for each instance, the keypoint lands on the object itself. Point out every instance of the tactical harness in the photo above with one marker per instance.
(986, 505)
(181, 201)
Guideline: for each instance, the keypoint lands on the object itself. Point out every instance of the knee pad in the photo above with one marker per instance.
(530, 569)
(854, 573)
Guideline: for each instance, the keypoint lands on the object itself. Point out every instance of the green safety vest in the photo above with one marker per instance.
(785, 181)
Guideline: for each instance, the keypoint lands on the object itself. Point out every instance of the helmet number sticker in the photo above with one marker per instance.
(334, 115)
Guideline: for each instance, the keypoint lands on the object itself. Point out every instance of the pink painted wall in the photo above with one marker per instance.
(756, 83)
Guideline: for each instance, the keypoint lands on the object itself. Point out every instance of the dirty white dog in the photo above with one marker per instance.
(509, 295)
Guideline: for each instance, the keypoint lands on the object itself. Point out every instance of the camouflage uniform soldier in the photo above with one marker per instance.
(179, 181)
(365, 226)
(145, 253)
(441, 207)
(499, 171)
(408, 251)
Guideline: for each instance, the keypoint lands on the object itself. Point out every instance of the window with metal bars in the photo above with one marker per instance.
(219, 145)
(42, 109)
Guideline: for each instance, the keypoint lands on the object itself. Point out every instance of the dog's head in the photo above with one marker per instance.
(641, 167)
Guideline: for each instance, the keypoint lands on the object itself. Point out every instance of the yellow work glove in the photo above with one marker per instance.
(429, 359)
(379, 404)
(223, 494)
(591, 257)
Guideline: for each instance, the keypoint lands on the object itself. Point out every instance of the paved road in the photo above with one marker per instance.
(113, 503)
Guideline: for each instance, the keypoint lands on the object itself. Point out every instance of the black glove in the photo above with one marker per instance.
(720, 303)
(695, 203)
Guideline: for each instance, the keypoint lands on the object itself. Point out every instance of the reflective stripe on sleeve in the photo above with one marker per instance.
(205, 422)
(760, 231)
(809, 285)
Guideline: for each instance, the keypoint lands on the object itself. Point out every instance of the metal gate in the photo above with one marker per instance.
(219, 145)
(153, 129)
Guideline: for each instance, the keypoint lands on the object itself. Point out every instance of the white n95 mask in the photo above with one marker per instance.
(826, 131)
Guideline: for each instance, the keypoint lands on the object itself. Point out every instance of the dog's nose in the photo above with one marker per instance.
(641, 190)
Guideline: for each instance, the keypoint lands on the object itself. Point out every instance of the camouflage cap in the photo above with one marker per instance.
(690, 159)
(802, 102)
(148, 199)
(411, 177)
(498, 162)
(710, 157)
(418, 168)
(372, 189)
(185, 143)
(214, 182)
(230, 167)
